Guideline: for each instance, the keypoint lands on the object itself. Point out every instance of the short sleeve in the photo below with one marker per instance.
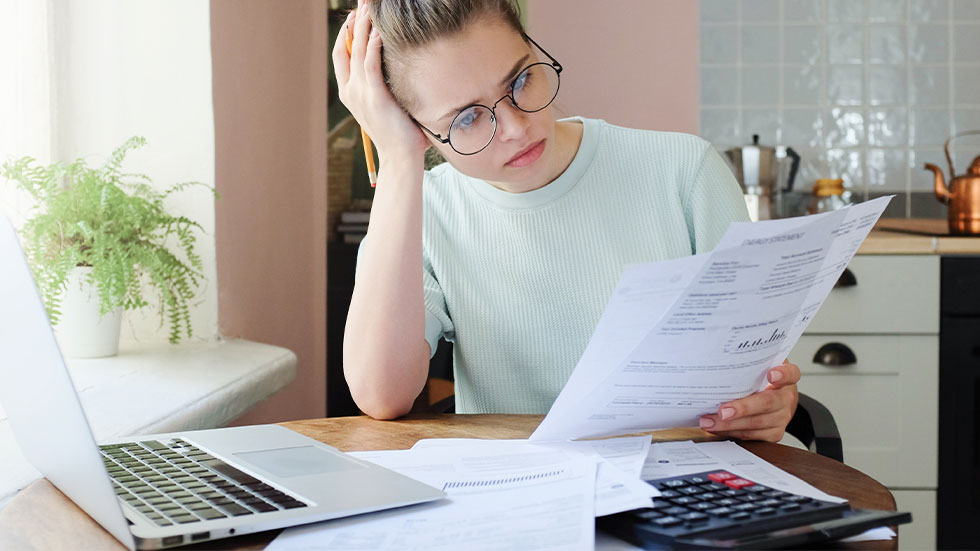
(714, 200)
(438, 324)
(437, 321)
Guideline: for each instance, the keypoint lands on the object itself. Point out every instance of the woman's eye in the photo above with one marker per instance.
(466, 119)
(521, 81)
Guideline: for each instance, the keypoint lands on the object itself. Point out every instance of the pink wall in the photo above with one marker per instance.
(269, 62)
(631, 62)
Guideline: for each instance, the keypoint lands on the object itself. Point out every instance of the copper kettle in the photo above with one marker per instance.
(963, 193)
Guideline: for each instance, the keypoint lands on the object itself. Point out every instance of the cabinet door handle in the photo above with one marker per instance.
(834, 354)
(846, 279)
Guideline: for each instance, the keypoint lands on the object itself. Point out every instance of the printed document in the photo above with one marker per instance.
(497, 500)
(619, 460)
(679, 338)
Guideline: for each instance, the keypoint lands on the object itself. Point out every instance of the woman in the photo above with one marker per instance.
(512, 248)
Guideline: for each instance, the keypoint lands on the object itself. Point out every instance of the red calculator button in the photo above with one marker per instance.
(739, 483)
(721, 476)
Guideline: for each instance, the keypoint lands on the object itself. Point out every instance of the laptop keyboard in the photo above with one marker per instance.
(174, 482)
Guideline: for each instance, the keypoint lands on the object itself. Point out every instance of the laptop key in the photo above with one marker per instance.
(292, 504)
(154, 445)
(185, 519)
(210, 514)
(236, 509)
(264, 507)
(229, 471)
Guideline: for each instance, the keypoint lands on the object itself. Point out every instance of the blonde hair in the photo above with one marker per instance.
(408, 25)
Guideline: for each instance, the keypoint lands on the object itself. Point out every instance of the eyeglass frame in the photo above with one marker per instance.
(510, 95)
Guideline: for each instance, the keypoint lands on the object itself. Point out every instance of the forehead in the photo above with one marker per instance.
(465, 68)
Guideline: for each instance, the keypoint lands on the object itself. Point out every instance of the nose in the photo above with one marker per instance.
(512, 123)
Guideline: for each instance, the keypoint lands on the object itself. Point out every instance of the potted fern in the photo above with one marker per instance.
(97, 239)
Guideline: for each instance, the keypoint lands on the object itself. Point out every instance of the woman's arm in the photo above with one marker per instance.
(386, 356)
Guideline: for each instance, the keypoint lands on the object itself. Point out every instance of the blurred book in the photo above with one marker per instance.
(355, 217)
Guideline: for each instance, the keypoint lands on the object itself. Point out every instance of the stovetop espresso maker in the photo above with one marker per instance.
(765, 174)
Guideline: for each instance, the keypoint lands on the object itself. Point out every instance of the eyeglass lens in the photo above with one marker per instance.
(473, 128)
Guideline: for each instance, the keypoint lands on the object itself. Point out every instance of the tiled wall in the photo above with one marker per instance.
(865, 90)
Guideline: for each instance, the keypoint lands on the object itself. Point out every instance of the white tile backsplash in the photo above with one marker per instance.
(966, 42)
(929, 10)
(760, 85)
(845, 43)
(758, 42)
(802, 84)
(966, 84)
(966, 9)
(886, 85)
(928, 43)
(886, 44)
(865, 90)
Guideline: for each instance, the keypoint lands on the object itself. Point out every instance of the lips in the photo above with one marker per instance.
(527, 155)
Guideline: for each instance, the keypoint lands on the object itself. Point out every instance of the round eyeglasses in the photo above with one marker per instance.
(533, 89)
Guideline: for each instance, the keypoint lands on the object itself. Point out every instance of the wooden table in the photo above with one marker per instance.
(42, 518)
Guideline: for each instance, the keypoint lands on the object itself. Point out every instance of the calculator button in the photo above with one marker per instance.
(721, 476)
(648, 514)
(703, 506)
(698, 480)
(674, 484)
(727, 502)
(745, 507)
(675, 511)
(695, 517)
(670, 493)
(770, 503)
(691, 490)
(739, 483)
(708, 495)
(684, 500)
(798, 499)
(715, 486)
(790, 507)
(667, 522)
(741, 515)
(765, 511)
(721, 511)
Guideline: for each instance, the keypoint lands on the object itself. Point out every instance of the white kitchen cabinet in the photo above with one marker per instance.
(885, 402)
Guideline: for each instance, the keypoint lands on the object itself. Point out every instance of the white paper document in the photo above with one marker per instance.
(619, 461)
(497, 500)
(680, 337)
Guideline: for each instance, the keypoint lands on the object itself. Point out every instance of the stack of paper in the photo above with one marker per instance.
(501, 495)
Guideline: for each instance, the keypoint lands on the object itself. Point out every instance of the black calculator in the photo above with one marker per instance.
(719, 510)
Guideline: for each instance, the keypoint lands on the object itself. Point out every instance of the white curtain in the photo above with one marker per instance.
(27, 118)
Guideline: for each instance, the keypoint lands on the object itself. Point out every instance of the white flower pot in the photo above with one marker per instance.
(81, 332)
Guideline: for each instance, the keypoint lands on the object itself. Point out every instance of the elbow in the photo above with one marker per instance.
(384, 393)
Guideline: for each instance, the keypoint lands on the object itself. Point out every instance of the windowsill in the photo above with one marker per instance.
(151, 388)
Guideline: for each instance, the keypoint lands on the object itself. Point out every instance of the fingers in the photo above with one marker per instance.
(372, 57)
(362, 30)
(764, 413)
(784, 374)
(341, 61)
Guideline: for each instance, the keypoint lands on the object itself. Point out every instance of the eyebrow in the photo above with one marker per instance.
(505, 81)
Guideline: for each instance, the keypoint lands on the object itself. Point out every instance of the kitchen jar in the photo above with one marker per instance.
(828, 195)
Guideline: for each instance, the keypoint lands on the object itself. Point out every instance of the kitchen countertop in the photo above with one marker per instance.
(917, 236)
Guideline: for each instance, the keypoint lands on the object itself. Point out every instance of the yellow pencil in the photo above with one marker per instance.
(368, 153)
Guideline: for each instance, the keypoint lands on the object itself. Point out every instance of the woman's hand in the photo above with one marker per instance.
(760, 416)
(363, 91)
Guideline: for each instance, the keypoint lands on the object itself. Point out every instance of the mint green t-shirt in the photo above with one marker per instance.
(517, 281)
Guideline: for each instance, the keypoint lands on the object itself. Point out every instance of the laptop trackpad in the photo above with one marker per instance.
(301, 461)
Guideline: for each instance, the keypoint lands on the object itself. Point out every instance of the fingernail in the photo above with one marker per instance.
(727, 413)
(707, 422)
(775, 376)
(375, 33)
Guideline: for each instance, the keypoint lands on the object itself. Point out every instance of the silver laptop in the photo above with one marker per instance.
(162, 490)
